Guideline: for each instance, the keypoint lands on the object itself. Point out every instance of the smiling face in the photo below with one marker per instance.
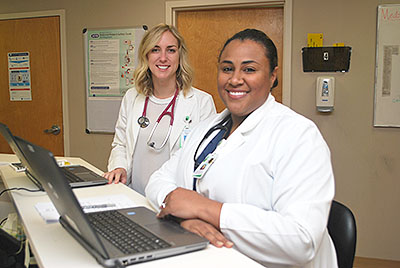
(163, 59)
(244, 77)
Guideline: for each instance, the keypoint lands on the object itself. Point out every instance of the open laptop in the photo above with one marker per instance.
(120, 248)
(78, 176)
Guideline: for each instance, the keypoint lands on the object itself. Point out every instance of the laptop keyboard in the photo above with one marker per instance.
(71, 177)
(123, 233)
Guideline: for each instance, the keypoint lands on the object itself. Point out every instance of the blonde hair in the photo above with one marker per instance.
(142, 75)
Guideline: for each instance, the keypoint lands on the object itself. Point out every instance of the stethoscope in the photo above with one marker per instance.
(143, 121)
(225, 126)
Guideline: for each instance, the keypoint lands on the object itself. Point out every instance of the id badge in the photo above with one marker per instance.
(186, 131)
(184, 134)
(204, 166)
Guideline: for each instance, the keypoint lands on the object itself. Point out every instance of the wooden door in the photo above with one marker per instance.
(205, 32)
(28, 119)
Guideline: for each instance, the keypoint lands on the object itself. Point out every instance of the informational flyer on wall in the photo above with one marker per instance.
(19, 76)
(110, 61)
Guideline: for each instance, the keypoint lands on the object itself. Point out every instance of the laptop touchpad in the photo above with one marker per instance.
(165, 229)
(86, 176)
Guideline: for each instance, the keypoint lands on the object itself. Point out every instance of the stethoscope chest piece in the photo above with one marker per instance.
(143, 121)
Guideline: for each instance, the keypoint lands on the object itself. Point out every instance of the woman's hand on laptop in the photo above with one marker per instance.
(117, 175)
(207, 231)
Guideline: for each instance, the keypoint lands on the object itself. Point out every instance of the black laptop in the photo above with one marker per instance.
(78, 176)
(116, 237)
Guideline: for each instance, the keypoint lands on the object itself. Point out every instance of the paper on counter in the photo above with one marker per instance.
(101, 203)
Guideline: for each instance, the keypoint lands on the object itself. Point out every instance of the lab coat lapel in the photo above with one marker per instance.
(234, 140)
(138, 106)
(184, 107)
(132, 128)
(255, 117)
(238, 137)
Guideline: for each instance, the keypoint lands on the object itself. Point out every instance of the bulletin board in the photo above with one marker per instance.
(387, 69)
(110, 59)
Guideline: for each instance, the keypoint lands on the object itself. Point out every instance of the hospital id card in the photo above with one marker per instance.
(204, 166)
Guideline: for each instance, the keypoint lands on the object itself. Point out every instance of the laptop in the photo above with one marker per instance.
(77, 175)
(164, 237)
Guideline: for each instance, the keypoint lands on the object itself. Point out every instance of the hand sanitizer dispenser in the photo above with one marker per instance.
(325, 93)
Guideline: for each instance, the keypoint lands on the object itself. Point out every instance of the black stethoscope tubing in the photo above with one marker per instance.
(224, 125)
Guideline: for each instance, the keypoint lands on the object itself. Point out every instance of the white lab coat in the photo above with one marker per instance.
(275, 180)
(197, 104)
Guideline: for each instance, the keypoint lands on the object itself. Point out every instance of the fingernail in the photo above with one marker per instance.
(229, 244)
(220, 244)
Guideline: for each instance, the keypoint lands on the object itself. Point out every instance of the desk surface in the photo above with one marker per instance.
(54, 247)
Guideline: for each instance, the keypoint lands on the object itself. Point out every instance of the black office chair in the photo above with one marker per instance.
(343, 231)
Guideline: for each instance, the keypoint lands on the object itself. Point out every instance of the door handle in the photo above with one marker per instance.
(55, 130)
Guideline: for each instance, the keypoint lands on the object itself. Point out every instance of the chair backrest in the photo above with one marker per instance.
(343, 231)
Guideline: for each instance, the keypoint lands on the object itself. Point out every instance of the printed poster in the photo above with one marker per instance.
(110, 59)
(19, 76)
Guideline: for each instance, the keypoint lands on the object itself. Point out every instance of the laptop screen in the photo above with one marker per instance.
(45, 168)
(9, 137)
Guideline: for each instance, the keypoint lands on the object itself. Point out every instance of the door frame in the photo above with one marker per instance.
(64, 88)
(171, 7)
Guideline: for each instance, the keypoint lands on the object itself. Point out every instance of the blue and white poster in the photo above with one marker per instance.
(19, 76)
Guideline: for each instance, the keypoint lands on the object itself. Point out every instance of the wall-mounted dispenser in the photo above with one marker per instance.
(325, 93)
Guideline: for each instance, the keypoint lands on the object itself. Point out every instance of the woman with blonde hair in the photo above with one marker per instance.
(157, 114)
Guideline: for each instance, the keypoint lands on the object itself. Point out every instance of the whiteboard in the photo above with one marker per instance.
(110, 59)
(387, 69)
